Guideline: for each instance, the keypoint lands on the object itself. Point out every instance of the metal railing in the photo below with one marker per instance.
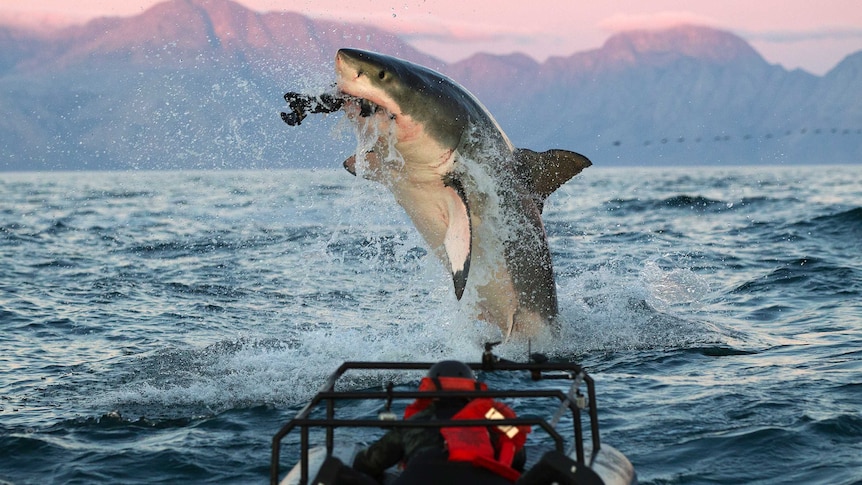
(538, 371)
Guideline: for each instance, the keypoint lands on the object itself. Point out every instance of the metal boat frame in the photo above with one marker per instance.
(539, 369)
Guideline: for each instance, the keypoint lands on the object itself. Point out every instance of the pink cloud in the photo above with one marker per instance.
(38, 21)
(654, 21)
(794, 36)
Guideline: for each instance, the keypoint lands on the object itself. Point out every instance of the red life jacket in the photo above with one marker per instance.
(474, 444)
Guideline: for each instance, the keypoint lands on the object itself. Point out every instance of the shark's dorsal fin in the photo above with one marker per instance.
(458, 240)
(545, 172)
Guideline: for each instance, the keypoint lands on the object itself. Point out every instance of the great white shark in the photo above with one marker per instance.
(475, 198)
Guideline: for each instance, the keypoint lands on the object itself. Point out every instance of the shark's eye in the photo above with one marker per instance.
(381, 74)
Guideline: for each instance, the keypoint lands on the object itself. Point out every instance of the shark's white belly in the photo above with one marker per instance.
(430, 204)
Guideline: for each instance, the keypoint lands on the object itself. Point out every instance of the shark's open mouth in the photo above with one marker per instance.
(366, 108)
(303, 104)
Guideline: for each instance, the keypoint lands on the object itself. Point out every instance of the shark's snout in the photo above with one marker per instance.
(350, 54)
(346, 69)
(339, 59)
(340, 66)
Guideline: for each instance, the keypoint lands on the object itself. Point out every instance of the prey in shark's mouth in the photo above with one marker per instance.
(476, 200)
(302, 104)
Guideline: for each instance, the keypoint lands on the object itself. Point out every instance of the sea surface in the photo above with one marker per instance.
(159, 327)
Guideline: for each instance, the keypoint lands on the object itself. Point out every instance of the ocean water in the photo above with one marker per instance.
(159, 327)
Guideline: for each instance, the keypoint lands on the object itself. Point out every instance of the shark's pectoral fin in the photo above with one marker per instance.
(547, 171)
(372, 161)
(350, 165)
(458, 238)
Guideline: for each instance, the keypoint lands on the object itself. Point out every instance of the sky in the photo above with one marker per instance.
(806, 34)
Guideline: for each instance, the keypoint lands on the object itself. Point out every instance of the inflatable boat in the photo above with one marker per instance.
(565, 456)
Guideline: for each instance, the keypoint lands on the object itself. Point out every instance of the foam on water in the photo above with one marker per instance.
(367, 288)
(242, 372)
(600, 313)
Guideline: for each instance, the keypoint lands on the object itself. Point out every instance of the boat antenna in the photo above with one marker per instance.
(387, 414)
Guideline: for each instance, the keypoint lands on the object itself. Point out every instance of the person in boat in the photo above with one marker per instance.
(453, 455)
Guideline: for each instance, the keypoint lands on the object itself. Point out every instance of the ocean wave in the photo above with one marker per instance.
(695, 203)
(843, 427)
(101, 195)
(691, 203)
(227, 241)
(815, 276)
(845, 224)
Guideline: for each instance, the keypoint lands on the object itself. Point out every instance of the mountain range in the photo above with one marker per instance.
(198, 84)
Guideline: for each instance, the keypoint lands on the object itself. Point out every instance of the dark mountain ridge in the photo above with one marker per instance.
(198, 84)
